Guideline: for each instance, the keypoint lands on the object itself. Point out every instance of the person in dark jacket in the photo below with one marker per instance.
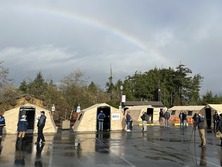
(181, 118)
(161, 117)
(220, 127)
(41, 125)
(167, 117)
(2, 124)
(22, 127)
(184, 119)
(199, 122)
(145, 118)
(129, 122)
(216, 121)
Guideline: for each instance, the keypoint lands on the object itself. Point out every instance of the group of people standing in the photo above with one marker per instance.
(164, 116)
(22, 127)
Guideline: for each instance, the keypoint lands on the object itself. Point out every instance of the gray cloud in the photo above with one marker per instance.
(56, 37)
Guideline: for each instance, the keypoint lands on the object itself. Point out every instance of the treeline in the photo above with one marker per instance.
(171, 86)
(66, 96)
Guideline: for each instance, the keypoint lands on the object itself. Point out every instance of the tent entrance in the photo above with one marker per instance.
(30, 116)
(208, 117)
(106, 123)
(149, 111)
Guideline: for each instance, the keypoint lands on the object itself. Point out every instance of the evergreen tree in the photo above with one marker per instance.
(38, 86)
(23, 87)
(172, 87)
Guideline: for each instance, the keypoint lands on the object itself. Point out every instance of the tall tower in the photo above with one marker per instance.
(111, 83)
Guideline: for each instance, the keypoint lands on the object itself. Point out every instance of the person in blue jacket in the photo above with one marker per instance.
(2, 124)
(22, 127)
(101, 117)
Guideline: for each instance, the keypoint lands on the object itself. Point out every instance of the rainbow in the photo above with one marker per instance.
(95, 22)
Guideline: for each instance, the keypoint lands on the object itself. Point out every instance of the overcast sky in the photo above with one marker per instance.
(57, 37)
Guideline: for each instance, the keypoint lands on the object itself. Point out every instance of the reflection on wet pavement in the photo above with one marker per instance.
(158, 147)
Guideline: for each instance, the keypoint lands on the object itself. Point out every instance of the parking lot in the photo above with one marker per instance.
(158, 147)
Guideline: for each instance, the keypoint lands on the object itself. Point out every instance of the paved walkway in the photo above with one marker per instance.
(168, 147)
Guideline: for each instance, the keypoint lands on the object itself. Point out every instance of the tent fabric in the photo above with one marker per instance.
(210, 109)
(87, 118)
(186, 108)
(175, 111)
(197, 109)
(216, 107)
(137, 111)
(207, 111)
(12, 116)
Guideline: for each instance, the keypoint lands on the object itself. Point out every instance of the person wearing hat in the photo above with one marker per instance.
(41, 125)
(22, 127)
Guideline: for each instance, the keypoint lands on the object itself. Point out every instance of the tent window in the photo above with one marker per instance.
(190, 113)
(173, 112)
(80, 116)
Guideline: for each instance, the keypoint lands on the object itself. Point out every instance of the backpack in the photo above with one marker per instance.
(143, 117)
(147, 117)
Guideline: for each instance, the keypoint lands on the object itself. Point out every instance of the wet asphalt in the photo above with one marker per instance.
(168, 147)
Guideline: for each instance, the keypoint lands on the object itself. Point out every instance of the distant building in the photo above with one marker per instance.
(157, 104)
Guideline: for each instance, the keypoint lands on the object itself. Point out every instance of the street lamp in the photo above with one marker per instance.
(53, 108)
(121, 94)
(159, 94)
(78, 109)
